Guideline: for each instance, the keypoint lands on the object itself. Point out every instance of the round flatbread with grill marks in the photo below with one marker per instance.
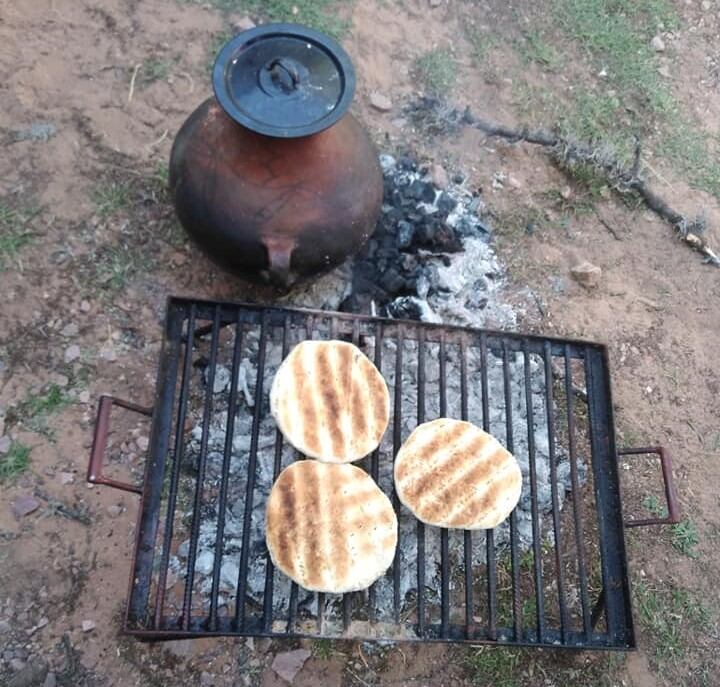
(329, 527)
(330, 401)
(450, 473)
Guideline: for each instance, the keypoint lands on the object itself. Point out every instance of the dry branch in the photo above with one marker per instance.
(437, 116)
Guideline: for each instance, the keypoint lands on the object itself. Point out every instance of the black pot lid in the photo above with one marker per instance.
(284, 80)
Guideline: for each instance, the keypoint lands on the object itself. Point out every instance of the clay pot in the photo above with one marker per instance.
(270, 183)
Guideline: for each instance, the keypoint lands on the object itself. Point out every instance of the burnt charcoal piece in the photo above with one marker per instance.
(371, 249)
(421, 191)
(405, 234)
(446, 240)
(476, 301)
(446, 204)
(409, 262)
(425, 233)
(407, 163)
(480, 285)
(407, 308)
(392, 281)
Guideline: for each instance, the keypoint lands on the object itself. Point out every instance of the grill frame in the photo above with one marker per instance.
(614, 601)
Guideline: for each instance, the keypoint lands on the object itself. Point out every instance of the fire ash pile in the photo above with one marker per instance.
(430, 257)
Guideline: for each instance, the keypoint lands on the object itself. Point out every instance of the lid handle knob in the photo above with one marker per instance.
(284, 74)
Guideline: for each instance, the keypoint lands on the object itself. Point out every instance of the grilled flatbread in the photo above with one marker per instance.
(329, 527)
(450, 473)
(330, 402)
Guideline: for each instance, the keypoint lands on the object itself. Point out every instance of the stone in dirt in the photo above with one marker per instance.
(5, 443)
(72, 353)
(439, 176)
(243, 24)
(88, 625)
(30, 675)
(380, 102)
(24, 505)
(66, 477)
(288, 664)
(206, 680)
(69, 330)
(142, 443)
(38, 131)
(587, 274)
(514, 182)
(84, 396)
(115, 511)
(658, 44)
(85, 306)
(50, 680)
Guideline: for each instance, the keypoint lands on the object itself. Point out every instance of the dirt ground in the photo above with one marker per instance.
(91, 251)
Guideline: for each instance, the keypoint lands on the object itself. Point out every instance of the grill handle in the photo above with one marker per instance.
(97, 453)
(671, 498)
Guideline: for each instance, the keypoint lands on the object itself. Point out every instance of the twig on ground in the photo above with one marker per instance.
(440, 117)
(156, 143)
(608, 226)
(136, 69)
(358, 678)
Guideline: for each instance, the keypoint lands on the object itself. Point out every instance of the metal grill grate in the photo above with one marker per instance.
(569, 588)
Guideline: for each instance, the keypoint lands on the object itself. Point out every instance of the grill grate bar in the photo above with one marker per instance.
(277, 464)
(537, 552)
(227, 451)
(491, 567)
(397, 418)
(607, 499)
(577, 511)
(444, 544)
(293, 606)
(559, 571)
(420, 523)
(175, 475)
(510, 445)
(252, 465)
(347, 598)
(467, 534)
(374, 460)
(195, 528)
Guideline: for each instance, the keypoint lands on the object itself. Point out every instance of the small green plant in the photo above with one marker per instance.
(527, 560)
(36, 410)
(685, 538)
(14, 233)
(115, 265)
(617, 36)
(529, 612)
(480, 43)
(437, 71)
(44, 404)
(493, 666)
(534, 49)
(322, 649)
(152, 70)
(318, 14)
(216, 42)
(669, 615)
(652, 505)
(110, 197)
(14, 462)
